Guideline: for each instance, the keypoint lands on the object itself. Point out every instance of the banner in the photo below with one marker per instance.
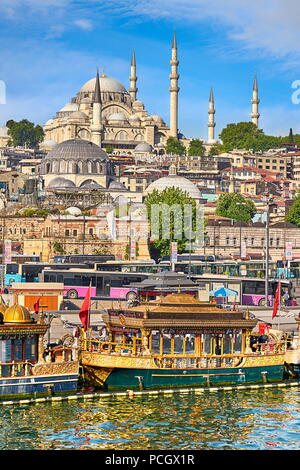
(174, 252)
(288, 251)
(243, 250)
(7, 251)
(132, 249)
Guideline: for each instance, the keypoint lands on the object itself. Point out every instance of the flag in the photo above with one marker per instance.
(277, 300)
(36, 306)
(234, 304)
(84, 313)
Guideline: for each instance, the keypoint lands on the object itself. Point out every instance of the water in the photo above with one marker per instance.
(235, 420)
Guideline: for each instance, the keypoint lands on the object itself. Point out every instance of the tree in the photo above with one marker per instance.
(238, 136)
(24, 133)
(196, 148)
(170, 197)
(175, 147)
(109, 149)
(293, 215)
(58, 248)
(235, 206)
(216, 149)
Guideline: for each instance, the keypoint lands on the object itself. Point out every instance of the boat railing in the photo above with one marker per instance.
(202, 360)
(16, 369)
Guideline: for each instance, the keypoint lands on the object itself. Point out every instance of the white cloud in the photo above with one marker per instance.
(86, 25)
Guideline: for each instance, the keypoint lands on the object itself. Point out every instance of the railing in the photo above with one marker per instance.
(15, 369)
(180, 361)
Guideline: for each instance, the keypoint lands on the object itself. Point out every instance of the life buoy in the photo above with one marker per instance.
(122, 319)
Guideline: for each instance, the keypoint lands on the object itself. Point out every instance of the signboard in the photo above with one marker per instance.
(174, 252)
(132, 249)
(7, 251)
(243, 250)
(288, 251)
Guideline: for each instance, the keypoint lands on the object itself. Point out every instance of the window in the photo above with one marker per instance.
(74, 233)
(91, 231)
(67, 233)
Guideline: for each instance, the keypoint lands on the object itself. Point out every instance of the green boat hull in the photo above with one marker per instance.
(123, 378)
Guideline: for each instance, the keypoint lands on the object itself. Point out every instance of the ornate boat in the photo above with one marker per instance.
(178, 341)
(27, 368)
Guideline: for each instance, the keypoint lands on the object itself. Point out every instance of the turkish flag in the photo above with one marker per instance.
(277, 300)
(36, 306)
(84, 313)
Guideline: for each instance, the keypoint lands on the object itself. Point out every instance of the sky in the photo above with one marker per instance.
(50, 48)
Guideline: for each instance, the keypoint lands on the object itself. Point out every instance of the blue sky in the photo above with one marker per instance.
(50, 48)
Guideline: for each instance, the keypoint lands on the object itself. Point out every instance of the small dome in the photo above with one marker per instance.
(156, 118)
(117, 185)
(138, 104)
(69, 107)
(177, 182)
(59, 182)
(143, 147)
(73, 210)
(117, 117)
(134, 117)
(91, 184)
(49, 122)
(77, 149)
(78, 115)
(17, 314)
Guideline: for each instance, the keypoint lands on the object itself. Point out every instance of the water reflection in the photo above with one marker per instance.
(266, 419)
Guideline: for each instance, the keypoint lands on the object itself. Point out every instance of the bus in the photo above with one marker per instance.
(30, 272)
(288, 269)
(255, 269)
(251, 291)
(143, 266)
(82, 259)
(104, 284)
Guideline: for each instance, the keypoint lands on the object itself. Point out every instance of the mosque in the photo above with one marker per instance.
(106, 113)
(109, 115)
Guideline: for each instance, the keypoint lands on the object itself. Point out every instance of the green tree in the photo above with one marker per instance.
(175, 147)
(24, 133)
(109, 149)
(170, 197)
(238, 136)
(293, 215)
(196, 148)
(235, 206)
(58, 248)
(216, 149)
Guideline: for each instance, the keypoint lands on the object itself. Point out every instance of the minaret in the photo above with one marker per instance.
(255, 101)
(174, 90)
(133, 78)
(96, 126)
(211, 119)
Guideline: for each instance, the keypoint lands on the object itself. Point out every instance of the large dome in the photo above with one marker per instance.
(106, 84)
(77, 149)
(177, 182)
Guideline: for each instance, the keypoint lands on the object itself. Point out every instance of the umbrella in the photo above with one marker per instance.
(223, 292)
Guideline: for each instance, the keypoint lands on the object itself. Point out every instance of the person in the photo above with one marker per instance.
(286, 298)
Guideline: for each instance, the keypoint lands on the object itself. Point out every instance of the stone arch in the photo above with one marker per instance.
(121, 135)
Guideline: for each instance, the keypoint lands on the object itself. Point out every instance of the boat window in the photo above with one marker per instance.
(228, 342)
(238, 341)
(155, 347)
(189, 344)
(166, 343)
(6, 350)
(17, 350)
(30, 349)
(178, 344)
(207, 338)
